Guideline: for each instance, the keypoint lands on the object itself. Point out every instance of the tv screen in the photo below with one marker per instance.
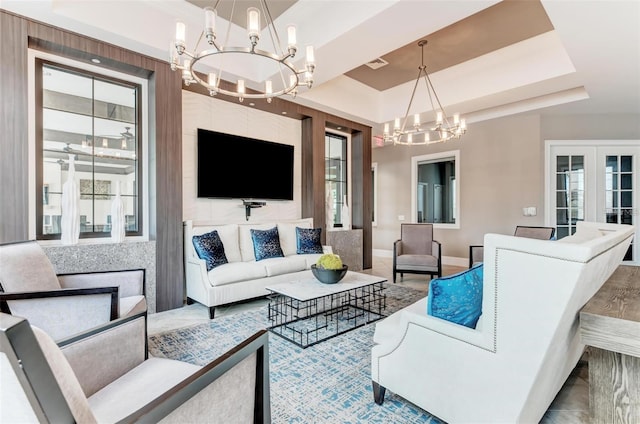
(231, 166)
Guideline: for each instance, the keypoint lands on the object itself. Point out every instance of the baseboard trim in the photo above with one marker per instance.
(446, 260)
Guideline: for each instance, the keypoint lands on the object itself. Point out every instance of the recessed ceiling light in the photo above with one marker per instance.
(284, 113)
(252, 104)
(95, 60)
(339, 128)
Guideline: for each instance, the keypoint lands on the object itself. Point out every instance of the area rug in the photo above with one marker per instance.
(329, 382)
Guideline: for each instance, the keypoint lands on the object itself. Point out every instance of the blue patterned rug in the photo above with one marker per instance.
(326, 383)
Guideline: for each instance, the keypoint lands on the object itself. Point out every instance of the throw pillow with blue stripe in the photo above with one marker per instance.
(308, 240)
(266, 244)
(210, 248)
(457, 298)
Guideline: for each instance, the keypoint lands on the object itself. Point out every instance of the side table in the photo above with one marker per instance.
(610, 324)
(348, 245)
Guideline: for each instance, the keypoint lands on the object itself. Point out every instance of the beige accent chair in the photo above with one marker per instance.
(476, 252)
(104, 376)
(66, 304)
(416, 252)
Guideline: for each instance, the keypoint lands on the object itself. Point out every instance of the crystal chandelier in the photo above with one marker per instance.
(289, 79)
(417, 134)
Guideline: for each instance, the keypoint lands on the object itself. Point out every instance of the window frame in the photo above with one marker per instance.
(436, 157)
(36, 174)
(347, 175)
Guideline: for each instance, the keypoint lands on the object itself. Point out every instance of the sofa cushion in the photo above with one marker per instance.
(266, 244)
(246, 241)
(287, 233)
(234, 272)
(210, 248)
(308, 240)
(457, 298)
(287, 265)
(228, 235)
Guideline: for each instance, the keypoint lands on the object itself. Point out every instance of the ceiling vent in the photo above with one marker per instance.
(377, 63)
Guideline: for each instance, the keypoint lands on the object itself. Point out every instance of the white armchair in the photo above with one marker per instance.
(65, 304)
(104, 376)
(511, 366)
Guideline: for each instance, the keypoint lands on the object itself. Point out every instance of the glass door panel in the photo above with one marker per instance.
(570, 189)
(619, 193)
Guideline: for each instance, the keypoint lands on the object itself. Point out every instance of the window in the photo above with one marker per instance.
(336, 173)
(97, 120)
(435, 184)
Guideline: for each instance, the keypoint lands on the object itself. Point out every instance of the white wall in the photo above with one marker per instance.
(501, 171)
(209, 113)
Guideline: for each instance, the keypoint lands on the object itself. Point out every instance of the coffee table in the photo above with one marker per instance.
(305, 311)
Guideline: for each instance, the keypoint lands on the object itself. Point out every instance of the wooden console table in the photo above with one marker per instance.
(610, 324)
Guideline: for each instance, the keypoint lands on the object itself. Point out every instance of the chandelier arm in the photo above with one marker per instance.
(406, 115)
(444, 113)
(276, 41)
(270, 24)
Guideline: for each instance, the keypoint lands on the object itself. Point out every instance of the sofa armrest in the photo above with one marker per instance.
(214, 389)
(65, 312)
(103, 354)
(131, 282)
(397, 248)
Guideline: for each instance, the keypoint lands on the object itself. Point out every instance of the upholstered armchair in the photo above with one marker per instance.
(64, 305)
(416, 252)
(511, 365)
(104, 376)
(476, 252)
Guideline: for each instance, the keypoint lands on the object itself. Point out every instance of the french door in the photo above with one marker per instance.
(593, 181)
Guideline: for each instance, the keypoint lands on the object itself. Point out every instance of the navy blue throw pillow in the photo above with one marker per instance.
(308, 240)
(457, 298)
(266, 244)
(210, 248)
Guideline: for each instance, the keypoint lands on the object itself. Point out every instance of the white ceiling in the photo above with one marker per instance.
(589, 63)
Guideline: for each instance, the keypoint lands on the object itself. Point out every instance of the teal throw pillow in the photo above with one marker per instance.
(308, 240)
(210, 248)
(457, 298)
(266, 244)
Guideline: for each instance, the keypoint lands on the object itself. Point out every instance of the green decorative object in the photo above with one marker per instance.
(329, 261)
(329, 269)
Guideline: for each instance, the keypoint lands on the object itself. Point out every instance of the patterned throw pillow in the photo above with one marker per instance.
(210, 248)
(308, 240)
(266, 244)
(457, 298)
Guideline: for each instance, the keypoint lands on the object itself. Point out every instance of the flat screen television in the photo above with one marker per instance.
(231, 166)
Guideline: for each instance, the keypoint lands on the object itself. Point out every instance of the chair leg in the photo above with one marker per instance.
(212, 310)
(394, 276)
(378, 392)
(402, 276)
(190, 301)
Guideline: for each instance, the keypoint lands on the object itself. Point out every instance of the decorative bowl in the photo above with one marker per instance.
(329, 276)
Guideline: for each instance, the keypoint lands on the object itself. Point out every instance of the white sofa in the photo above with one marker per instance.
(511, 366)
(242, 277)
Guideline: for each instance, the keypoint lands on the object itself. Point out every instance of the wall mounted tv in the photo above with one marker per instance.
(231, 166)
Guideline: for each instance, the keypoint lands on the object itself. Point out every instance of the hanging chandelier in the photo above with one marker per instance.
(289, 78)
(417, 133)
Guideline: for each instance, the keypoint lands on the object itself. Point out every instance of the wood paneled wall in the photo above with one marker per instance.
(313, 173)
(165, 147)
(14, 147)
(165, 144)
